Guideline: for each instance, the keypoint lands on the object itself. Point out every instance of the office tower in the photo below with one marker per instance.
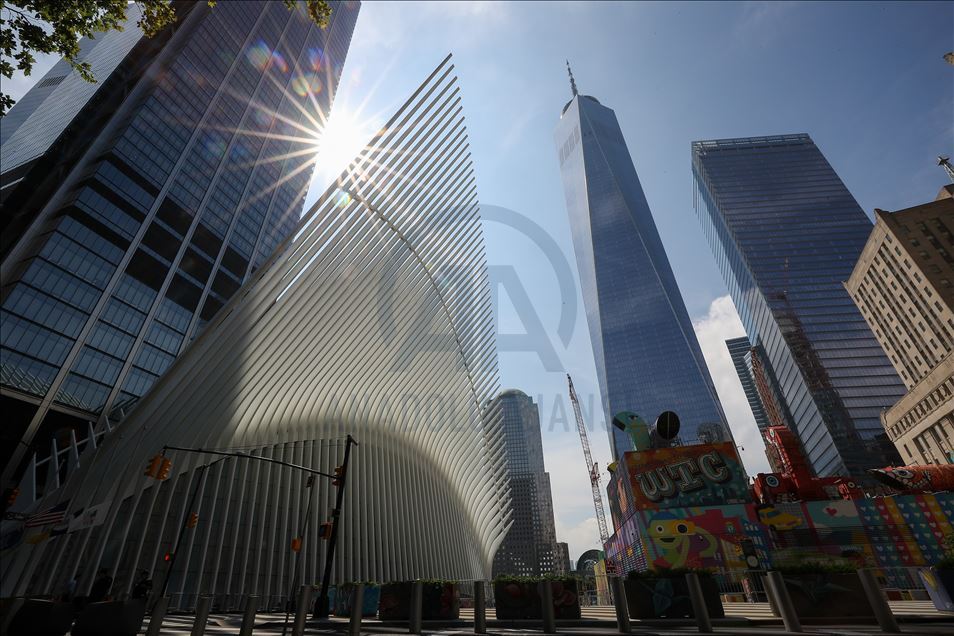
(530, 547)
(647, 357)
(785, 233)
(562, 565)
(903, 283)
(740, 352)
(140, 204)
(295, 365)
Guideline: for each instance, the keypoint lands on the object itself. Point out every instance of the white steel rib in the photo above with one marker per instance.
(374, 320)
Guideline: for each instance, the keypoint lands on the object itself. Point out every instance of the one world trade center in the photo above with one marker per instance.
(647, 357)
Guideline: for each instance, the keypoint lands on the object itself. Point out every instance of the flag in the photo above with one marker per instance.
(56, 514)
(90, 517)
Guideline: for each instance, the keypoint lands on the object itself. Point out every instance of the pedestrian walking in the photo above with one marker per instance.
(101, 586)
(143, 585)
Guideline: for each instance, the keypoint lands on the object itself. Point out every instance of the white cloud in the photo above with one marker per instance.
(720, 324)
(582, 536)
(573, 509)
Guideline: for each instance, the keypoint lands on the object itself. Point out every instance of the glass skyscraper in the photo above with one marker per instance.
(140, 204)
(647, 357)
(786, 233)
(530, 547)
(740, 352)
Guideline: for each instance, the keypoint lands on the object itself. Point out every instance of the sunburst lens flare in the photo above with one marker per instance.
(341, 139)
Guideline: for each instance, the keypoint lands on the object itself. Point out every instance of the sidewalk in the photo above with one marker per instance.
(268, 623)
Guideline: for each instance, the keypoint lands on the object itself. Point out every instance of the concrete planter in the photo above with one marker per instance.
(668, 597)
(111, 618)
(940, 587)
(828, 595)
(440, 601)
(515, 600)
(42, 618)
(369, 601)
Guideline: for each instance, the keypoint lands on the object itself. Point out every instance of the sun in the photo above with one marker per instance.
(343, 137)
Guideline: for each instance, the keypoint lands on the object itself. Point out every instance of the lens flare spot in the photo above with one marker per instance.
(314, 58)
(215, 147)
(343, 199)
(306, 84)
(261, 117)
(259, 55)
(278, 62)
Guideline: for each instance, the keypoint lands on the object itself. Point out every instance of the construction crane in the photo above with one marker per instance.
(594, 473)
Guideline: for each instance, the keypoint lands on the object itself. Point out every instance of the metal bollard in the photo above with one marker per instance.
(202, 607)
(248, 616)
(301, 610)
(158, 615)
(770, 597)
(357, 609)
(480, 608)
(619, 600)
(699, 609)
(879, 604)
(776, 587)
(415, 612)
(546, 605)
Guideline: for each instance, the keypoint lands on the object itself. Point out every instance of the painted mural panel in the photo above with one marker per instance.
(707, 474)
(701, 537)
(887, 532)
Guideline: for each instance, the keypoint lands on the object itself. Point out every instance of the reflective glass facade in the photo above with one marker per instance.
(183, 193)
(530, 548)
(739, 351)
(786, 233)
(647, 357)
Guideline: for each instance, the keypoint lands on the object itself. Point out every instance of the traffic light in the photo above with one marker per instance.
(164, 469)
(193, 520)
(167, 557)
(296, 544)
(152, 468)
(339, 476)
(324, 531)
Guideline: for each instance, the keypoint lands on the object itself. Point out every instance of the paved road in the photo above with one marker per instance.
(221, 624)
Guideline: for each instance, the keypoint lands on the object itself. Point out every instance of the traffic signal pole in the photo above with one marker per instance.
(321, 606)
(182, 528)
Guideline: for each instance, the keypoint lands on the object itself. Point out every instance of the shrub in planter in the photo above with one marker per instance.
(826, 590)
(111, 618)
(440, 600)
(38, 617)
(664, 593)
(369, 600)
(518, 597)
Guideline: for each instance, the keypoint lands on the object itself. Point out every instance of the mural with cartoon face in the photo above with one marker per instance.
(679, 542)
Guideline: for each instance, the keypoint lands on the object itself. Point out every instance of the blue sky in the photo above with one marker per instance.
(866, 80)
